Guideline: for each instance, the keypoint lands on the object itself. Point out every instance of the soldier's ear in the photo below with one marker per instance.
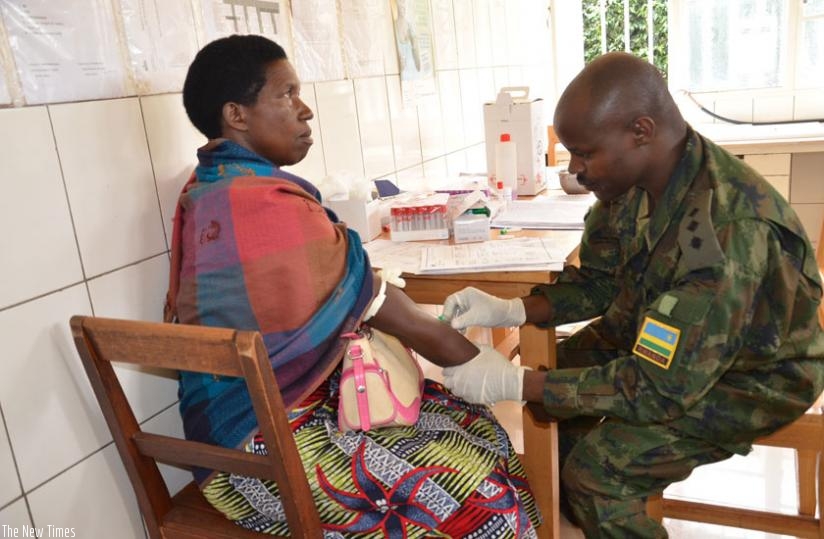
(643, 130)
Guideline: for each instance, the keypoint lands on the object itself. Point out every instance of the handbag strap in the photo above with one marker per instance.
(359, 373)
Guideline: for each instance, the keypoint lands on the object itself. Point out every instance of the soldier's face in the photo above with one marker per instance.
(604, 156)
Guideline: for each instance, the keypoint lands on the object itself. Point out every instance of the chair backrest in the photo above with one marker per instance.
(222, 352)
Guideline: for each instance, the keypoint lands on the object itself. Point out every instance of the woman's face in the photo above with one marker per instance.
(278, 123)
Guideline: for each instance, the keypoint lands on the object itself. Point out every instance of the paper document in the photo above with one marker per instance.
(519, 253)
(552, 212)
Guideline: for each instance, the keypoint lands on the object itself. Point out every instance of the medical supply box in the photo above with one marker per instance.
(514, 113)
(362, 216)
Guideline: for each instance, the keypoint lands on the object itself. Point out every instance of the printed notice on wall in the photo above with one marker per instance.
(317, 40)
(269, 18)
(65, 51)
(413, 38)
(367, 33)
(162, 42)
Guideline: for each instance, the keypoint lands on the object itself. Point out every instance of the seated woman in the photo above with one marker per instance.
(254, 249)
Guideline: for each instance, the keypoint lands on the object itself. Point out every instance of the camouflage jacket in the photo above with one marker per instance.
(710, 303)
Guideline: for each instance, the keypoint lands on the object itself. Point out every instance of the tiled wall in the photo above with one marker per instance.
(89, 190)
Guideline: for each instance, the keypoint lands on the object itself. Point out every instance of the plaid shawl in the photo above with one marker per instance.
(253, 249)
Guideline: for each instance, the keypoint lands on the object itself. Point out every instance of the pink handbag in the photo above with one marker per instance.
(381, 383)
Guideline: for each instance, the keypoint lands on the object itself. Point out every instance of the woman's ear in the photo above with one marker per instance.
(234, 116)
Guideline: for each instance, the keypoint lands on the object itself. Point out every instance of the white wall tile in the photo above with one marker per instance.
(375, 126)
(386, 34)
(173, 143)
(411, 178)
(476, 157)
(435, 173)
(10, 485)
(472, 106)
(105, 158)
(486, 85)
(38, 246)
(51, 414)
(456, 163)
(66, 500)
(443, 30)
(773, 108)
(16, 516)
(338, 119)
(501, 77)
(405, 134)
(483, 33)
(431, 126)
(465, 31)
(169, 423)
(449, 89)
(313, 166)
(498, 37)
(137, 292)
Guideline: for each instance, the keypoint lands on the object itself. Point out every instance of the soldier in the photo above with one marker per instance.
(705, 287)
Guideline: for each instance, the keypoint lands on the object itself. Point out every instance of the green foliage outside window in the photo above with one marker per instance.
(615, 29)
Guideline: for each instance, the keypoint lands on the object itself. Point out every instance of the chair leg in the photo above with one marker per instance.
(805, 463)
(655, 507)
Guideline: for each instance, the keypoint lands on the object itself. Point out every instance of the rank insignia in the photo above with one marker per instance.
(657, 342)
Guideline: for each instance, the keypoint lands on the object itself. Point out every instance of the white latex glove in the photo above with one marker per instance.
(487, 378)
(472, 307)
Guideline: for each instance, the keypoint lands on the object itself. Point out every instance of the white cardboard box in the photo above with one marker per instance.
(364, 217)
(514, 113)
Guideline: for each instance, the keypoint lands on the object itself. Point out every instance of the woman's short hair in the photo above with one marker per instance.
(228, 69)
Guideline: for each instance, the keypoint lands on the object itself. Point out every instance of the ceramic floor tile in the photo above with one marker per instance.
(10, 485)
(46, 394)
(64, 502)
(137, 292)
(173, 143)
(110, 182)
(38, 246)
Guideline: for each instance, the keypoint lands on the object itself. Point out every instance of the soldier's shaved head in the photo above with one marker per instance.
(614, 90)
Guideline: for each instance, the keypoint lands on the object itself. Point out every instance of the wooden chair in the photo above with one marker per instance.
(222, 352)
(806, 437)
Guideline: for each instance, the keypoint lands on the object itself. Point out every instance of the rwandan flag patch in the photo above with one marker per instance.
(657, 342)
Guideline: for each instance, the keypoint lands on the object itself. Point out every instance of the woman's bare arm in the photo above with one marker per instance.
(419, 330)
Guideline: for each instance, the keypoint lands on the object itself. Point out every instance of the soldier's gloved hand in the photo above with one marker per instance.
(472, 307)
(487, 378)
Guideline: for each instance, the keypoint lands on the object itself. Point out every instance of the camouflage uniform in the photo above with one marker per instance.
(708, 336)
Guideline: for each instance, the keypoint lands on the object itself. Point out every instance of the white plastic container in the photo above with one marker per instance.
(506, 162)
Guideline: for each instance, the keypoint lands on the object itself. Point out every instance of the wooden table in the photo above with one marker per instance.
(537, 350)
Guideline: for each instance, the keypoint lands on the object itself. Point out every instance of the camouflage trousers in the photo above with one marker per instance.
(609, 467)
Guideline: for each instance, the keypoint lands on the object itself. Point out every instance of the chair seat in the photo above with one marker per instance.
(193, 516)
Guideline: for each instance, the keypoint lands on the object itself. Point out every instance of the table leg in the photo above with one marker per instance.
(541, 437)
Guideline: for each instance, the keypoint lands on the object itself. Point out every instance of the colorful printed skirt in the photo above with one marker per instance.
(453, 474)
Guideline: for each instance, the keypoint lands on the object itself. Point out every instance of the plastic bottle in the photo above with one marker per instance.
(505, 193)
(506, 163)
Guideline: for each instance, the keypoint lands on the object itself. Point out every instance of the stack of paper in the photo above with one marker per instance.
(519, 253)
(553, 212)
